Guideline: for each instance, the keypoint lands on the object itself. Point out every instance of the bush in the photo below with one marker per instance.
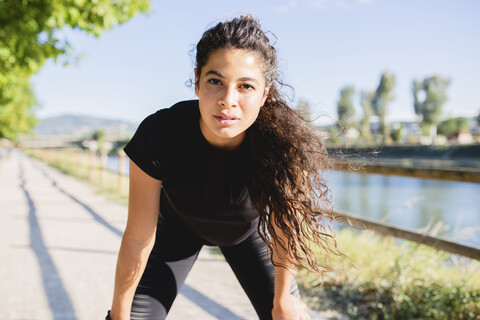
(395, 279)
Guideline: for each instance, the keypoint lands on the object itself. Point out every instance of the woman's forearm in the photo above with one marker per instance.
(283, 283)
(285, 304)
(131, 263)
(137, 241)
(284, 271)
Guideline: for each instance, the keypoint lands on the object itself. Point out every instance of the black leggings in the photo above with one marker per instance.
(172, 257)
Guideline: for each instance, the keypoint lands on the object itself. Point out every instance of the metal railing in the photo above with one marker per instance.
(411, 235)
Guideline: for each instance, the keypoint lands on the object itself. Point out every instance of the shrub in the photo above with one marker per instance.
(395, 279)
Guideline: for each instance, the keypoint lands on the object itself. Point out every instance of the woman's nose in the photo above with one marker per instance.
(229, 97)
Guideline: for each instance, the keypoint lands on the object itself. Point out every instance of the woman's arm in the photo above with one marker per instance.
(138, 239)
(285, 305)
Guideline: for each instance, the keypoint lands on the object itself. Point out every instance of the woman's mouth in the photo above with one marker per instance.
(226, 119)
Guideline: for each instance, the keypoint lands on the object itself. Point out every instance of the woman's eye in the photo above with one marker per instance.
(247, 86)
(214, 81)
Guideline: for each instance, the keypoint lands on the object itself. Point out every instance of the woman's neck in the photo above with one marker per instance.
(226, 144)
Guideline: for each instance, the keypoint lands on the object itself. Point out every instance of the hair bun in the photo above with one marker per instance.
(248, 16)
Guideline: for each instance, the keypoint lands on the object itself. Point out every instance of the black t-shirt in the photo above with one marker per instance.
(205, 187)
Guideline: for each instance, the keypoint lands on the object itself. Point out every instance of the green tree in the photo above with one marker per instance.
(453, 126)
(345, 108)
(30, 33)
(305, 111)
(333, 136)
(382, 97)
(429, 95)
(17, 115)
(396, 132)
(366, 99)
(99, 136)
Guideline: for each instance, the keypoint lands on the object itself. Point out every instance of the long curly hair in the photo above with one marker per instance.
(287, 158)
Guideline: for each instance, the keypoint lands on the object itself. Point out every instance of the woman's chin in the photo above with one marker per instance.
(229, 138)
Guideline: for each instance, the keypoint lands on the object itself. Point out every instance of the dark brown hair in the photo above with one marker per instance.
(287, 157)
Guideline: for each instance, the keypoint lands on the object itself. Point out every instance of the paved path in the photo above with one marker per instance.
(58, 246)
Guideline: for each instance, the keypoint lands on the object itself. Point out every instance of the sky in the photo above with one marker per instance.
(323, 45)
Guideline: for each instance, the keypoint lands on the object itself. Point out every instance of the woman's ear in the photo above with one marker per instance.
(196, 82)
(265, 93)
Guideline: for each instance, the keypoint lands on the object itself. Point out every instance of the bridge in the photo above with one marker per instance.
(59, 141)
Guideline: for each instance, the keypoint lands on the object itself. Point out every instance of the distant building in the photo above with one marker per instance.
(410, 130)
(475, 127)
(463, 137)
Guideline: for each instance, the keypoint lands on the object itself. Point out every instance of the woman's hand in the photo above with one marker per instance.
(289, 307)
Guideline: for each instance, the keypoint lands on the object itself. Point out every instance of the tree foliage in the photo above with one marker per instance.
(366, 101)
(429, 95)
(99, 136)
(17, 115)
(453, 126)
(30, 33)
(305, 111)
(345, 108)
(396, 132)
(382, 97)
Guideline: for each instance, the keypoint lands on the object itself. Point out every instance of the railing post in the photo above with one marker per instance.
(121, 172)
(103, 168)
(91, 165)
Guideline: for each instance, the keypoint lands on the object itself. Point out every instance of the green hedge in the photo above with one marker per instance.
(395, 279)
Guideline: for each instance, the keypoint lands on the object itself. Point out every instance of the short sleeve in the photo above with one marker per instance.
(148, 145)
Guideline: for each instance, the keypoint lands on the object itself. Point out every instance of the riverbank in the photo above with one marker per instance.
(453, 156)
(453, 163)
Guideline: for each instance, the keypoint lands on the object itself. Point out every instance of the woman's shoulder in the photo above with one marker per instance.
(182, 109)
(179, 115)
(185, 107)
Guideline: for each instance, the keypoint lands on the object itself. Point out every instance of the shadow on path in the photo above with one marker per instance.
(207, 304)
(94, 214)
(201, 300)
(58, 299)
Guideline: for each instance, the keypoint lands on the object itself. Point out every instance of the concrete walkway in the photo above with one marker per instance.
(58, 246)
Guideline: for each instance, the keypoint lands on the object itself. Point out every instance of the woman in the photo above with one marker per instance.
(237, 169)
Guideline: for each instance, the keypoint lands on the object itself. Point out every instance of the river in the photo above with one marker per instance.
(406, 202)
(411, 202)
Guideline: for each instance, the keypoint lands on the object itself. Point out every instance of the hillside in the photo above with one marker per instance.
(82, 126)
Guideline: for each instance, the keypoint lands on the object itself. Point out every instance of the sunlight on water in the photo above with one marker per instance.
(411, 202)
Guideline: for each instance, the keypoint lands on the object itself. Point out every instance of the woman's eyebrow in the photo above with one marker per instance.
(218, 74)
(248, 79)
(214, 72)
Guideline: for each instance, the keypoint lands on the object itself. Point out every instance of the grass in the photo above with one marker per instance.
(395, 279)
(105, 183)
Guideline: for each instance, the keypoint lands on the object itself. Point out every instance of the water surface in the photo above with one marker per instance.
(411, 202)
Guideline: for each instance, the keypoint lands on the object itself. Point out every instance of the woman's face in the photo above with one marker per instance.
(231, 90)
